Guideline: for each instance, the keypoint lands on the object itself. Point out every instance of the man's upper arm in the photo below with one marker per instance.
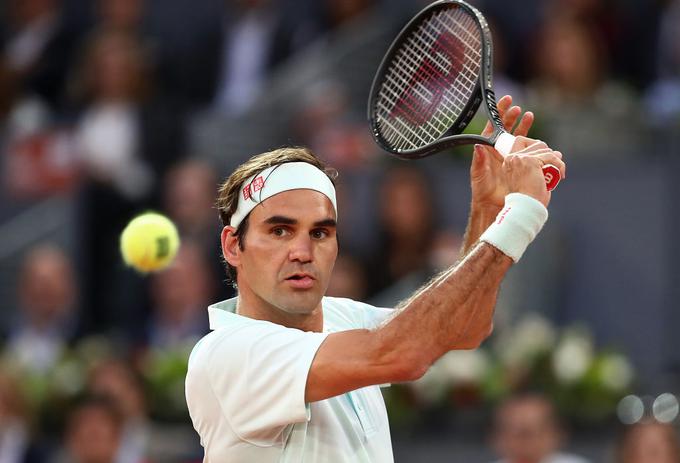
(353, 359)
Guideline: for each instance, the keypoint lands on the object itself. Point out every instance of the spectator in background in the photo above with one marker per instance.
(93, 433)
(127, 140)
(130, 17)
(116, 380)
(503, 83)
(36, 53)
(16, 444)
(663, 97)
(338, 13)
(188, 198)
(37, 49)
(407, 229)
(348, 279)
(527, 430)
(324, 122)
(256, 38)
(178, 296)
(47, 298)
(574, 97)
(649, 442)
(123, 15)
(117, 130)
(603, 16)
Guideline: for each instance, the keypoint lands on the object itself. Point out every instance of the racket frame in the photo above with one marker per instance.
(483, 92)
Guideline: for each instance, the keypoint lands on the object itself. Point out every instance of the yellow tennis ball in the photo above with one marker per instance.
(149, 242)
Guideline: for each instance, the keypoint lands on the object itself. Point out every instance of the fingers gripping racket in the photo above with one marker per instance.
(431, 82)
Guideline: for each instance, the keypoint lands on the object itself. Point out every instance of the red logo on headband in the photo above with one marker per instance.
(256, 185)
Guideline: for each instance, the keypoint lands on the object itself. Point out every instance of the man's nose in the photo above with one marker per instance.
(301, 249)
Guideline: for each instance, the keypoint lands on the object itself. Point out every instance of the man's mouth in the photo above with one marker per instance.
(301, 280)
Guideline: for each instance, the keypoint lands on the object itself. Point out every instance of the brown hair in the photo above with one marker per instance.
(228, 192)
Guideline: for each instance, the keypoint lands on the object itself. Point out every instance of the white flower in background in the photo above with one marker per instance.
(465, 366)
(432, 387)
(68, 377)
(455, 367)
(616, 372)
(530, 336)
(573, 356)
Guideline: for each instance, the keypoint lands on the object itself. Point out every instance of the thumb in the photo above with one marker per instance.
(479, 161)
(477, 156)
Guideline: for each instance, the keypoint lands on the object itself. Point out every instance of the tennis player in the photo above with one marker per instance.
(288, 375)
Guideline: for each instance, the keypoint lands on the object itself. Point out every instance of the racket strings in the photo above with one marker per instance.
(429, 80)
(425, 71)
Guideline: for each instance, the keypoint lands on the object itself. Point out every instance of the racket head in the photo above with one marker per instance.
(431, 82)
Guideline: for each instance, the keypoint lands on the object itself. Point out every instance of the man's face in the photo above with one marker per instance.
(94, 437)
(650, 443)
(526, 433)
(289, 251)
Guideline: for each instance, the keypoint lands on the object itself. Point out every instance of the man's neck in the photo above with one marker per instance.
(263, 311)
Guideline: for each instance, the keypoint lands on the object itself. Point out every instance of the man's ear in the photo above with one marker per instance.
(230, 247)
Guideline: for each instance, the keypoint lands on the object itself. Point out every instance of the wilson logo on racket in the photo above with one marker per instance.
(438, 71)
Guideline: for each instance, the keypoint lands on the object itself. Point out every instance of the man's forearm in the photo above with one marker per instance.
(454, 311)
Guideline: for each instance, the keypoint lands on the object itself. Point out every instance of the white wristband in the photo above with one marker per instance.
(516, 225)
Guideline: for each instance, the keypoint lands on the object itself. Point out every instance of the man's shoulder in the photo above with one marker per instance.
(343, 303)
(342, 313)
(345, 307)
(231, 332)
(228, 331)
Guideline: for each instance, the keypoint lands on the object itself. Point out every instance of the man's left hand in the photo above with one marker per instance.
(486, 175)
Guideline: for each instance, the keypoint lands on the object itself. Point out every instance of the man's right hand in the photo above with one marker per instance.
(523, 168)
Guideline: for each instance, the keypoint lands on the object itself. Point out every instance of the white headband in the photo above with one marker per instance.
(277, 179)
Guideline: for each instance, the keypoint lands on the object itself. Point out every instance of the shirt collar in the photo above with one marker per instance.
(221, 313)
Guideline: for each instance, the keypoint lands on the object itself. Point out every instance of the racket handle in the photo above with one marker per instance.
(551, 173)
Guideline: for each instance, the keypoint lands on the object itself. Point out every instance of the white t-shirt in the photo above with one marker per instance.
(245, 390)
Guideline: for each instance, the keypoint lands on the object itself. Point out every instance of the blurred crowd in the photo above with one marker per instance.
(113, 105)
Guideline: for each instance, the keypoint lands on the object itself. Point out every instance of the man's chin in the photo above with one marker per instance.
(301, 302)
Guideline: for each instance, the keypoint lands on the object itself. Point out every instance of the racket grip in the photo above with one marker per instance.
(504, 143)
(551, 173)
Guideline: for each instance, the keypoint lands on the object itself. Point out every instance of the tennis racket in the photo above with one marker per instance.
(431, 82)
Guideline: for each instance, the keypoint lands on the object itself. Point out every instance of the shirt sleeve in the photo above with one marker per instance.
(259, 373)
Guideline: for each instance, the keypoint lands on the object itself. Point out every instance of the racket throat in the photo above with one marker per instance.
(490, 99)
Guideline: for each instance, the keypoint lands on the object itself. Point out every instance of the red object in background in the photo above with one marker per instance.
(41, 164)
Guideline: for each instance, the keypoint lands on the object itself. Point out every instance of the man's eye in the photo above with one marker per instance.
(279, 231)
(319, 234)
